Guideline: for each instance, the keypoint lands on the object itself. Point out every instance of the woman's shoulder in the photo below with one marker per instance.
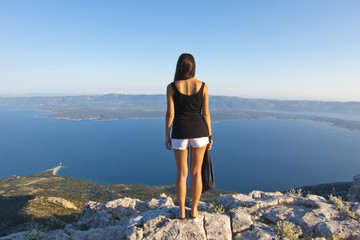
(203, 84)
(205, 89)
(170, 88)
(199, 81)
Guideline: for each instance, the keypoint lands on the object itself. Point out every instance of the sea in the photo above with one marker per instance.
(261, 154)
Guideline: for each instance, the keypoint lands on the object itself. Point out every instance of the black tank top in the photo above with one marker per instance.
(188, 121)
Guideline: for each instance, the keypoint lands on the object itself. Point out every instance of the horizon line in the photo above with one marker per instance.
(23, 95)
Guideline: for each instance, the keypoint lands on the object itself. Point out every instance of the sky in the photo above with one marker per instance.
(279, 49)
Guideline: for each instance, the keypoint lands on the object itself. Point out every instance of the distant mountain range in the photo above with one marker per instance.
(114, 106)
(159, 102)
(236, 103)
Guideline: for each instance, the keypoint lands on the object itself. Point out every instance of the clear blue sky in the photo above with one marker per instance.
(276, 49)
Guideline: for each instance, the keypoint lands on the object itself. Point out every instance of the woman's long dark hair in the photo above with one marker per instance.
(185, 67)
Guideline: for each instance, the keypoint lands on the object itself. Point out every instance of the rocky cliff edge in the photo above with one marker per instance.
(258, 215)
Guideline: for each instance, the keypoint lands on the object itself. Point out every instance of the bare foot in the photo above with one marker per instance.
(194, 213)
(181, 214)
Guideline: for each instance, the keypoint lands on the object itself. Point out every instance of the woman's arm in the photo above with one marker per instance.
(169, 115)
(206, 113)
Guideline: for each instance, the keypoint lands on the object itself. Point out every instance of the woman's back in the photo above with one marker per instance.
(188, 86)
(188, 100)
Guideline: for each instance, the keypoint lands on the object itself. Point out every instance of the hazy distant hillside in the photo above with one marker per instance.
(222, 102)
(158, 102)
(114, 106)
(109, 100)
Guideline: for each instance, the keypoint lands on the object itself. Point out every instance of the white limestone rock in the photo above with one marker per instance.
(348, 229)
(164, 224)
(140, 218)
(329, 212)
(124, 207)
(299, 215)
(356, 208)
(17, 236)
(57, 235)
(217, 226)
(110, 233)
(260, 194)
(161, 201)
(157, 218)
(235, 201)
(241, 220)
(203, 206)
(354, 191)
(261, 203)
(260, 231)
(165, 228)
(316, 198)
(96, 215)
(134, 233)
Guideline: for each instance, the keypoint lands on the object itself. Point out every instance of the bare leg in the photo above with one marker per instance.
(181, 157)
(197, 157)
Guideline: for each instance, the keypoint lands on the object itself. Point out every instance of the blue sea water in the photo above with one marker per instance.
(263, 154)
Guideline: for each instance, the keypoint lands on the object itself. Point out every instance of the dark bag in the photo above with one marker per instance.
(207, 172)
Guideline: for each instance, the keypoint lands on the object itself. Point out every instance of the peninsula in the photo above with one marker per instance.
(55, 170)
(114, 106)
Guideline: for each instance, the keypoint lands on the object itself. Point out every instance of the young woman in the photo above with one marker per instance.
(188, 114)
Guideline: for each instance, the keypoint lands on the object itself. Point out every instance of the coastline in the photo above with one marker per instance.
(351, 125)
(55, 170)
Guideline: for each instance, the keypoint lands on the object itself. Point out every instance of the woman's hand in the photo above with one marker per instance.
(168, 143)
(209, 146)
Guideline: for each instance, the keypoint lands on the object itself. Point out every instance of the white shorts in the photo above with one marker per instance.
(180, 144)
